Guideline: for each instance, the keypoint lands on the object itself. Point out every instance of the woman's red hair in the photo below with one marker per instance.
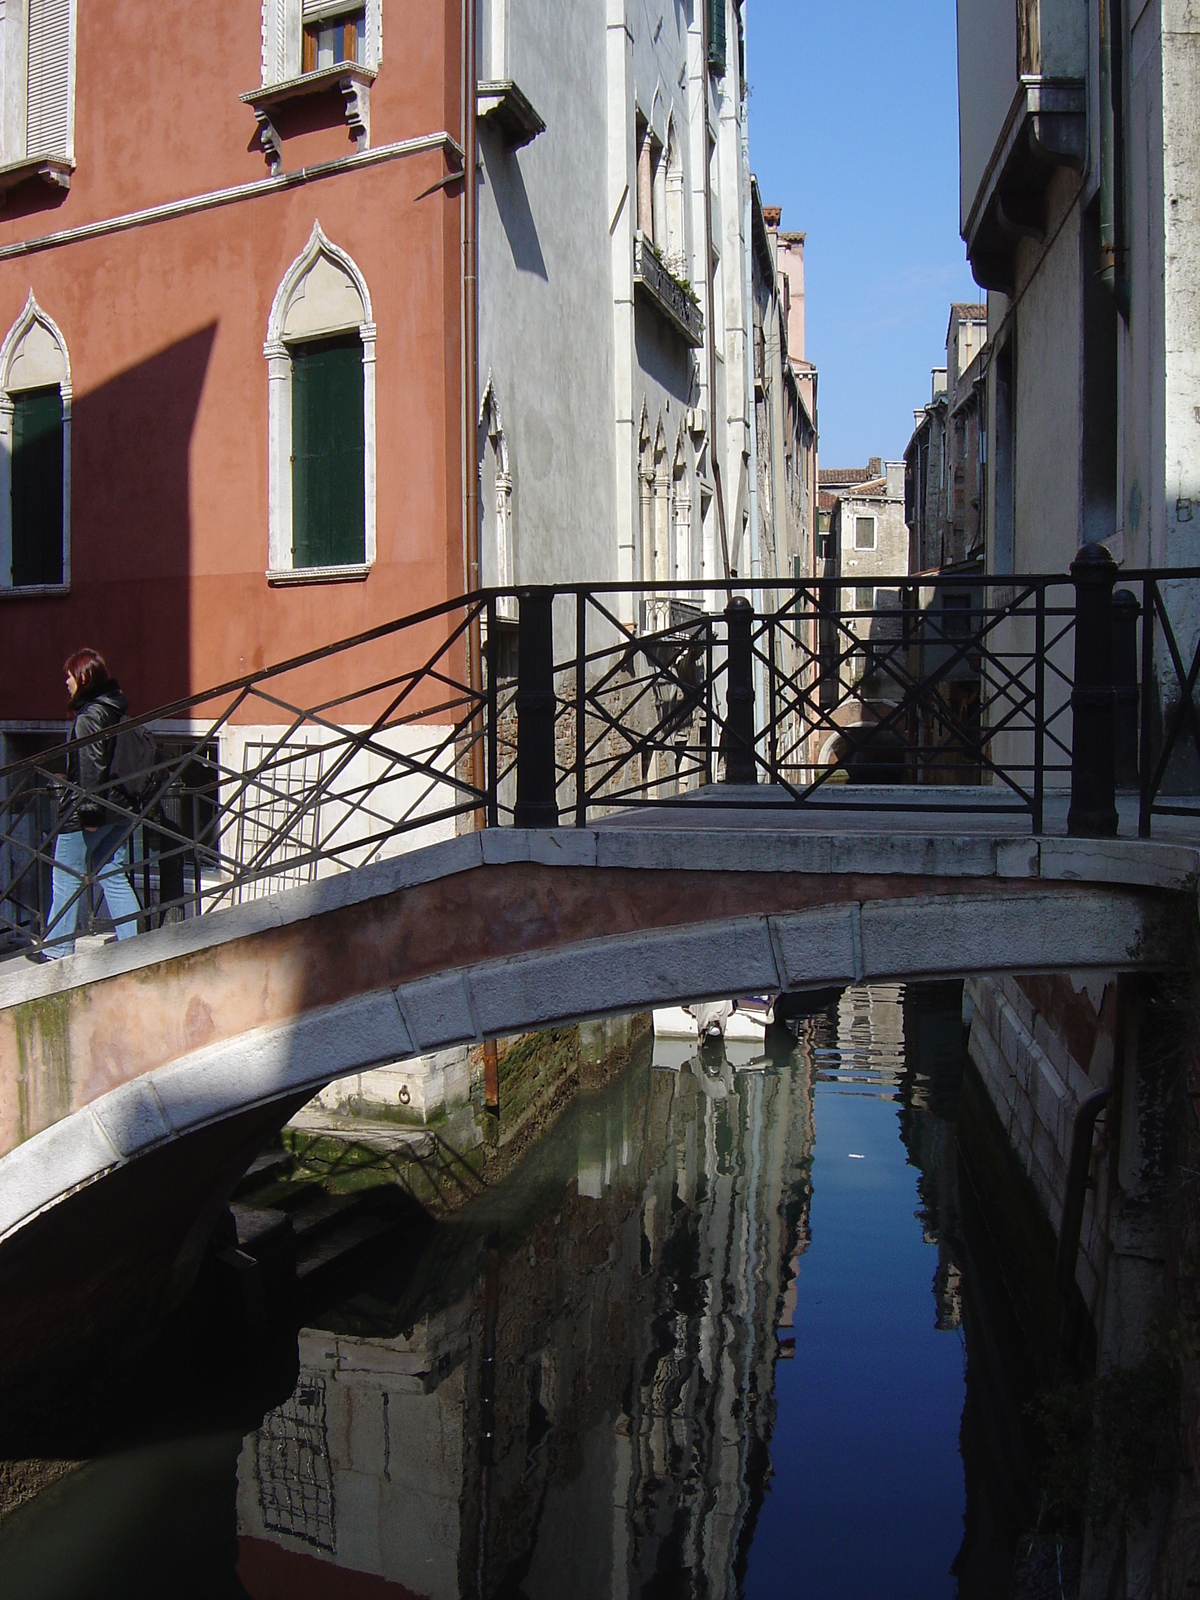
(87, 668)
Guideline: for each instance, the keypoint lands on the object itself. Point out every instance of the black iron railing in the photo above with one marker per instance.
(599, 699)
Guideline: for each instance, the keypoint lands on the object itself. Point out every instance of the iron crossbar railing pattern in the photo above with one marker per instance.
(321, 764)
(900, 689)
(620, 696)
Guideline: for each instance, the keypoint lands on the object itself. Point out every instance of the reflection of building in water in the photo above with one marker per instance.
(934, 1055)
(593, 1411)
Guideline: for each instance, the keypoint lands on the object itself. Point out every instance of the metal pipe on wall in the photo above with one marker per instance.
(470, 376)
(1114, 271)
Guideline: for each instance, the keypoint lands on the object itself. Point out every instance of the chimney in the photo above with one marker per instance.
(875, 467)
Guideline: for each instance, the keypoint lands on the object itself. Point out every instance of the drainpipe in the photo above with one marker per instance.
(710, 293)
(1113, 267)
(470, 381)
(760, 686)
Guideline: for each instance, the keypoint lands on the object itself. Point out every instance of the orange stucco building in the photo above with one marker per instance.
(199, 211)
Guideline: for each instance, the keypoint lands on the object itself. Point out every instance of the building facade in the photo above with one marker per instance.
(1077, 142)
(946, 512)
(785, 386)
(616, 384)
(230, 336)
(866, 547)
(945, 462)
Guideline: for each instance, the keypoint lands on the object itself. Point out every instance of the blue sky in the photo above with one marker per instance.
(854, 132)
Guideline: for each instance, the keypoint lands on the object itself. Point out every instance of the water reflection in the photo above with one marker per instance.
(574, 1392)
(708, 1340)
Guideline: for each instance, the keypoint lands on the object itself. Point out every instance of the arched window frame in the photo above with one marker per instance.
(497, 516)
(681, 515)
(280, 567)
(11, 349)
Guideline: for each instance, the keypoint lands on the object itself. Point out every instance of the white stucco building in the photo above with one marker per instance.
(615, 376)
(1078, 155)
(1078, 138)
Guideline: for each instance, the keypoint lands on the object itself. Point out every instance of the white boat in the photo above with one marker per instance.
(735, 1021)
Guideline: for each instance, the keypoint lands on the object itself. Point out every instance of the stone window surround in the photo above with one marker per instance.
(19, 164)
(280, 570)
(283, 78)
(32, 316)
(499, 514)
(860, 516)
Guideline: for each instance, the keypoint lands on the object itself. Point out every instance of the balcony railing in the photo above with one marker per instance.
(666, 293)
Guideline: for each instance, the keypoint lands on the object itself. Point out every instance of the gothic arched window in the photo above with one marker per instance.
(320, 353)
(35, 454)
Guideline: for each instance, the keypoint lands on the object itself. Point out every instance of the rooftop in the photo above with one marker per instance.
(834, 477)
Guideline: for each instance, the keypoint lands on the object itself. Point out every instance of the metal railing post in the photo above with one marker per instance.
(772, 707)
(1093, 812)
(581, 799)
(1146, 754)
(493, 717)
(537, 801)
(1125, 687)
(739, 696)
(1039, 712)
(709, 701)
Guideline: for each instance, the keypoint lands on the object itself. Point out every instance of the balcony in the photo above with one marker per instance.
(1046, 128)
(350, 79)
(502, 105)
(666, 294)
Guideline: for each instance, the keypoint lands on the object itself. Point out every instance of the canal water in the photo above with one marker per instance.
(711, 1338)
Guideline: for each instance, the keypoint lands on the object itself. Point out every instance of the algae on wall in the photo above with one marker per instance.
(42, 1029)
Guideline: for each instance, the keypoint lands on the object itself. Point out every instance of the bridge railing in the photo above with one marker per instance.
(929, 684)
(546, 706)
(318, 765)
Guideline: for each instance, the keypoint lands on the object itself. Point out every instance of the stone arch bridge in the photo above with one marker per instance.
(138, 1080)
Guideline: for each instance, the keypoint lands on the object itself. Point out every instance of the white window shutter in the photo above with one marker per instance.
(48, 125)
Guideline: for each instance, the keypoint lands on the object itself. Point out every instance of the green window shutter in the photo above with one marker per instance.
(328, 449)
(37, 487)
(716, 35)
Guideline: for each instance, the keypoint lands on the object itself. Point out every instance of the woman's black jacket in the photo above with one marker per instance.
(95, 710)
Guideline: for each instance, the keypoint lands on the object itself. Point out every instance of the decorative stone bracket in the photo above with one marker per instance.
(1046, 128)
(53, 170)
(351, 79)
(503, 105)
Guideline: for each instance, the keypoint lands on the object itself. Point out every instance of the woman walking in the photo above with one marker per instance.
(90, 837)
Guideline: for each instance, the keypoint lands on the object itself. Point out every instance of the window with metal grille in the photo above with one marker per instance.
(864, 597)
(37, 487)
(328, 450)
(864, 533)
(295, 1476)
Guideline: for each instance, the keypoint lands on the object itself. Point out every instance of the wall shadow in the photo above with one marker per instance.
(512, 202)
(131, 541)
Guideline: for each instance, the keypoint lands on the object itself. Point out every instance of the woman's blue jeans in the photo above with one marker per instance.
(105, 853)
